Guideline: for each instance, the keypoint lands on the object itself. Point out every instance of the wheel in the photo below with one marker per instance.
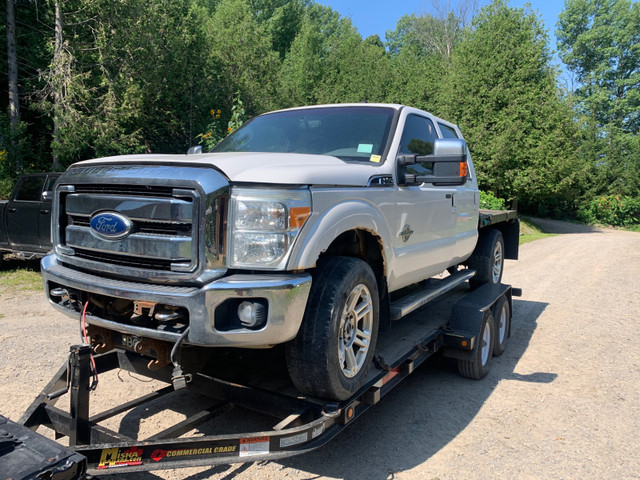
(487, 259)
(502, 318)
(332, 353)
(478, 366)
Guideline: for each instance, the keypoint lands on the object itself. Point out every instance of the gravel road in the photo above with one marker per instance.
(562, 402)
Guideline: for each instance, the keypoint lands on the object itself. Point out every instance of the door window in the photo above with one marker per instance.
(30, 189)
(417, 139)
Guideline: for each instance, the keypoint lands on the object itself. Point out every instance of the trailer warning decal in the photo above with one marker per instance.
(120, 457)
(254, 446)
(158, 454)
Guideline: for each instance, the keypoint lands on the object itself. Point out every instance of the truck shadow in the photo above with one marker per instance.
(409, 425)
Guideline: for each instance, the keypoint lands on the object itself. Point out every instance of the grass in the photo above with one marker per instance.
(19, 275)
(530, 232)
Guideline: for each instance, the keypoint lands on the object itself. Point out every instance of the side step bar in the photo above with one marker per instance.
(434, 288)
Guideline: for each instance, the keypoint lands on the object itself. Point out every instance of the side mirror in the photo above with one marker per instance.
(194, 150)
(47, 196)
(448, 164)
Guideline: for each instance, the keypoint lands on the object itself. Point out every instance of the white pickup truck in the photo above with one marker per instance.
(312, 227)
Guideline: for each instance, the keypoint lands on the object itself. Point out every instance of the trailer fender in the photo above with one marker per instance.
(460, 336)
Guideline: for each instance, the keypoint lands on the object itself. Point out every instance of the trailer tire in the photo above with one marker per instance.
(332, 353)
(502, 318)
(480, 362)
(487, 259)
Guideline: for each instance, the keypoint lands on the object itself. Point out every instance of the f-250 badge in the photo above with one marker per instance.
(406, 233)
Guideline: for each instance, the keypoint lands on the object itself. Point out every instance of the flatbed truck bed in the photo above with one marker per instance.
(295, 424)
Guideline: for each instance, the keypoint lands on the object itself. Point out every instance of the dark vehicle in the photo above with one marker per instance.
(25, 219)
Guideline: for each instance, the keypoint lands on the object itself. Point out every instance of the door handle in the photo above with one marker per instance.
(11, 210)
(45, 212)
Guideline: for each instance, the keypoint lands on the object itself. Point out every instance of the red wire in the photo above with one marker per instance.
(86, 340)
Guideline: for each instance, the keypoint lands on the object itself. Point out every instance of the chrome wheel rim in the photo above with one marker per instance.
(486, 343)
(496, 268)
(356, 322)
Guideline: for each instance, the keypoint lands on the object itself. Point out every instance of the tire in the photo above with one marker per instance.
(479, 365)
(332, 353)
(502, 318)
(487, 259)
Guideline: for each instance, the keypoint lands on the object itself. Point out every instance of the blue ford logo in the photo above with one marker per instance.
(110, 225)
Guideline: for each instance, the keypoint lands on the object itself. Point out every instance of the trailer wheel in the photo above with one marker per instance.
(478, 366)
(332, 353)
(502, 318)
(487, 259)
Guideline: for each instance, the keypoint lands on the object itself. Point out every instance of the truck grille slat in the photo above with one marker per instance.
(138, 262)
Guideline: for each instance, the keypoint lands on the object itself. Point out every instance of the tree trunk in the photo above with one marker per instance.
(14, 101)
(57, 93)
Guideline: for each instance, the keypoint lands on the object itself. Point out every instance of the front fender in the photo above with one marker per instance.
(329, 220)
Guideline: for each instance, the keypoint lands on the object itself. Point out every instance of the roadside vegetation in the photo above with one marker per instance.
(19, 276)
(91, 78)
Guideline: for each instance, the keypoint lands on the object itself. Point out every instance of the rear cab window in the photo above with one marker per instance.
(447, 131)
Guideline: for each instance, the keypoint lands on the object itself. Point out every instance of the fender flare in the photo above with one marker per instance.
(321, 230)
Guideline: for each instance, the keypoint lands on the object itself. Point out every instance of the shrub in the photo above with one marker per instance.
(490, 202)
(616, 210)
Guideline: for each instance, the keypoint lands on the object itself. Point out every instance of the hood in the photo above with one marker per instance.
(275, 168)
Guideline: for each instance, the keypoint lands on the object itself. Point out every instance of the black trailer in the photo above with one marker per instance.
(470, 326)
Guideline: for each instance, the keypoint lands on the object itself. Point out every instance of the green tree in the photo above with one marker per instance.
(329, 62)
(282, 19)
(240, 51)
(302, 68)
(501, 90)
(599, 40)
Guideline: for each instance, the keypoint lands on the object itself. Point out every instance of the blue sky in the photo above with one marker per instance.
(378, 16)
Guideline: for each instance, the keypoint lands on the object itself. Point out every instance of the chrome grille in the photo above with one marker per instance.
(163, 235)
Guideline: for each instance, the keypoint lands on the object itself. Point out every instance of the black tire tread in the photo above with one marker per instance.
(473, 368)
(308, 358)
(481, 258)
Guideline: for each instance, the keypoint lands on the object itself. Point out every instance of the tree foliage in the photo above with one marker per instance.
(599, 40)
(502, 91)
(106, 77)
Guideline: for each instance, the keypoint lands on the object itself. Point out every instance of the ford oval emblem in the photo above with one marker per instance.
(110, 225)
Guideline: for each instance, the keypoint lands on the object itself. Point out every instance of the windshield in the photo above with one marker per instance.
(349, 133)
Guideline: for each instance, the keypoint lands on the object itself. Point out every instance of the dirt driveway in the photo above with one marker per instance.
(562, 402)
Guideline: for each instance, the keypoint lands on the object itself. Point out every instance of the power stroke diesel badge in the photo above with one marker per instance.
(110, 225)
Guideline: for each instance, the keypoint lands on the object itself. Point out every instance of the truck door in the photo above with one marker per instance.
(420, 215)
(465, 202)
(23, 214)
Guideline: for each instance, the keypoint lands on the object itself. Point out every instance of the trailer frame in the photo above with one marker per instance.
(303, 423)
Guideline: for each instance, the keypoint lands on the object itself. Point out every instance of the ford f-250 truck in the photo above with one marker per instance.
(313, 227)
(25, 219)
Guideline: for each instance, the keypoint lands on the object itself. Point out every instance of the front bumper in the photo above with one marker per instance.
(285, 295)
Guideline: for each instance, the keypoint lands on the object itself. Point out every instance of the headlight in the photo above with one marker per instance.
(264, 224)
